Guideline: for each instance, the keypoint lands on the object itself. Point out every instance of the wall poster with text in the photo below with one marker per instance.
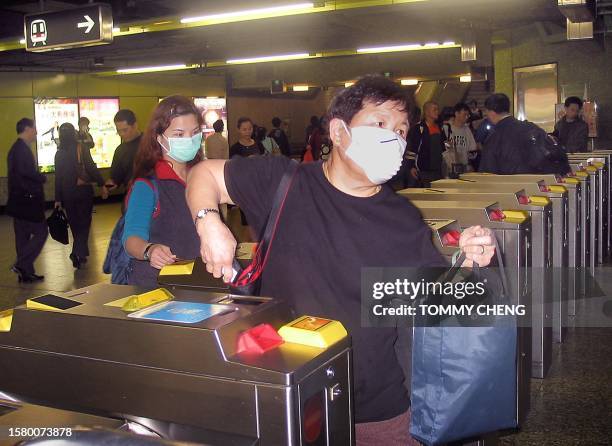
(49, 114)
(100, 112)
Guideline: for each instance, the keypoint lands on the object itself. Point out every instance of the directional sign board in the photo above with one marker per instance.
(69, 28)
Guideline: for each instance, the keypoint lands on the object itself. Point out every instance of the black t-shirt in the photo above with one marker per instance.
(245, 151)
(122, 166)
(324, 238)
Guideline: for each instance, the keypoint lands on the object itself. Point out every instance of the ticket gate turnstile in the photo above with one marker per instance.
(595, 240)
(566, 279)
(188, 381)
(445, 236)
(603, 222)
(558, 242)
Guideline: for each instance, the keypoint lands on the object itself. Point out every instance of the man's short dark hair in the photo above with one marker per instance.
(24, 123)
(218, 125)
(374, 89)
(473, 102)
(573, 100)
(498, 103)
(83, 120)
(242, 120)
(461, 106)
(276, 121)
(125, 115)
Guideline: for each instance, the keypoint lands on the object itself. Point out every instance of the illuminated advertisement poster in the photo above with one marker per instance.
(49, 114)
(100, 113)
(212, 109)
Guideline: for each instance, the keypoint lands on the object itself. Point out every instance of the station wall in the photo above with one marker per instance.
(578, 62)
(138, 92)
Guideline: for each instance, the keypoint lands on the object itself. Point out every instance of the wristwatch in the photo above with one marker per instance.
(145, 254)
(202, 213)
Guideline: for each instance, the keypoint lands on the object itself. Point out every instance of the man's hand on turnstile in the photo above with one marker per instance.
(478, 244)
(217, 246)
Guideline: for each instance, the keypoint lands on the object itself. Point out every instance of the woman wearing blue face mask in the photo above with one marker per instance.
(158, 225)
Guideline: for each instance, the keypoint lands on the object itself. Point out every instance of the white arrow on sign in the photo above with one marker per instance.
(87, 24)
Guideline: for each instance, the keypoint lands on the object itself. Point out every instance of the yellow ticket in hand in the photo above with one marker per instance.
(178, 268)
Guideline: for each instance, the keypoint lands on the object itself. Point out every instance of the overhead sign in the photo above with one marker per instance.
(69, 28)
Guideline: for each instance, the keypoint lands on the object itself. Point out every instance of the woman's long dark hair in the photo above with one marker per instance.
(149, 150)
(67, 137)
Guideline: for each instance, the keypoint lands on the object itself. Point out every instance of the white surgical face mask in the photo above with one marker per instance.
(379, 152)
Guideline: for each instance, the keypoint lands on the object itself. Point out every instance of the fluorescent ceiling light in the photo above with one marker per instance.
(269, 58)
(408, 47)
(22, 41)
(152, 69)
(300, 88)
(409, 81)
(250, 13)
(465, 78)
(212, 97)
(348, 84)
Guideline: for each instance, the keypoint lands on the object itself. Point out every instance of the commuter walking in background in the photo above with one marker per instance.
(426, 141)
(216, 145)
(246, 145)
(85, 138)
(458, 133)
(316, 138)
(505, 151)
(123, 159)
(314, 123)
(159, 228)
(75, 172)
(280, 137)
(268, 143)
(571, 130)
(26, 202)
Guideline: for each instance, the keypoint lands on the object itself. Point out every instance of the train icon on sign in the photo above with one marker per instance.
(38, 32)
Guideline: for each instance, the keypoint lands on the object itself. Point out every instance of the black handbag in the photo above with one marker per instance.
(58, 226)
(248, 280)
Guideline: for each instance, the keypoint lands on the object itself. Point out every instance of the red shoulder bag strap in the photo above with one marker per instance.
(254, 270)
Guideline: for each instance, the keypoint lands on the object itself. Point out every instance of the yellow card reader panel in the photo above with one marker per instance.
(178, 268)
(313, 331)
(6, 318)
(140, 301)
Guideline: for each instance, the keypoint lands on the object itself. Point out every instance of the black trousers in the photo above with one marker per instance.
(30, 237)
(78, 210)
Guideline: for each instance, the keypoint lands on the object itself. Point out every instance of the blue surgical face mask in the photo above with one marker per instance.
(183, 150)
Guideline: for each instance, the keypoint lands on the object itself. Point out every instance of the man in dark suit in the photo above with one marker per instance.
(26, 202)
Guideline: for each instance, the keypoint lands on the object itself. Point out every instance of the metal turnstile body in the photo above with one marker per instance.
(607, 154)
(554, 291)
(566, 278)
(603, 222)
(595, 240)
(187, 382)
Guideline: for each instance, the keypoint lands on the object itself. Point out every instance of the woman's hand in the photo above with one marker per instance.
(478, 243)
(160, 256)
(217, 246)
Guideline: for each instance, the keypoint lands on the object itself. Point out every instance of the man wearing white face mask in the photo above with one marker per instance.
(339, 216)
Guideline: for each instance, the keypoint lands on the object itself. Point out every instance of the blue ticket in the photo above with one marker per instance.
(184, 312)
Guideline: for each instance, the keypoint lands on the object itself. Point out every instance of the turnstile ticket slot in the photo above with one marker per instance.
(451, 238)
(243, 300)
